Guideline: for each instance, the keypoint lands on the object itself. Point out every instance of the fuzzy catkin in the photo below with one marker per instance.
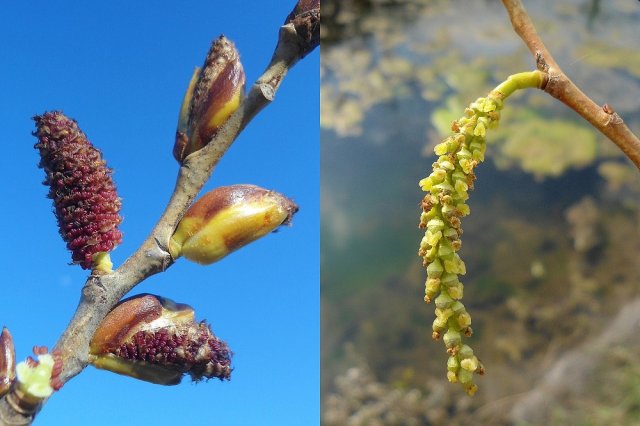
(84, 196)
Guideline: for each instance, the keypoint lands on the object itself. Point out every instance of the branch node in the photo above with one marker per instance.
(608, 109)
(267, 91)
(613, 120)
(541, 63)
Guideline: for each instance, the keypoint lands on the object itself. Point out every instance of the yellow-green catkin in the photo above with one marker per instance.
(444, 205)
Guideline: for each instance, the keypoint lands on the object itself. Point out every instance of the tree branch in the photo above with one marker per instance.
(603, 118)
(101, 292)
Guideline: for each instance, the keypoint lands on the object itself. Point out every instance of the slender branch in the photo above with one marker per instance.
(101, 292)
(603, 118)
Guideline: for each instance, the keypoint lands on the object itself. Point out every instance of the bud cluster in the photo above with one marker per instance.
(442, 208)
(84, 196)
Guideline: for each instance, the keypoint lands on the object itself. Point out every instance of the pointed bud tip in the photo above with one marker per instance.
(214, 93)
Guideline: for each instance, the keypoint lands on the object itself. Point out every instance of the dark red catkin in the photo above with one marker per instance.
(84, 196)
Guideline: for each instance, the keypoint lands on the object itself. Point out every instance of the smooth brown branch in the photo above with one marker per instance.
(603, 118)
(101, 293)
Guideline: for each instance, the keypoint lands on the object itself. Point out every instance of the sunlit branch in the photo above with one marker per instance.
(603, 118)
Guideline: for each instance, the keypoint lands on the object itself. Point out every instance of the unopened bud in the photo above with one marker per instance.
(157, 340)
(470, 364)
(305, 17)
(84, 196)
(453, 364)
(214, 93)
(7, 361)
(452, 338)
(228, 218)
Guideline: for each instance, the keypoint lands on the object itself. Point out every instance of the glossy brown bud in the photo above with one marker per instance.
(157, 340)
(228, 218)
(214, 93)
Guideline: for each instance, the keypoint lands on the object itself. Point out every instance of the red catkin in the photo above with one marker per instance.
(84, 196)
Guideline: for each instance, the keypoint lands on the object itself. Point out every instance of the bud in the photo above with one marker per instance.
(36, 380)
(214, 93)
(305, 18)
(7, 361)
(228, 218)
(84, 196)
(453, 364)
(452, 338)
(157, 340)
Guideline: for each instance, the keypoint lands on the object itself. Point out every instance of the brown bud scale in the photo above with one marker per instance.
(7, 361)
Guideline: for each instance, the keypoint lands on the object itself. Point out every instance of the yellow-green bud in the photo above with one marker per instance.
(432, 286)
(435, 225)
(471, 388)
(458, 307)
(465, 351)
(444, 250)
(452, 338)
(465, 376)
(444, 301)
(228, 218)
(464, 320)
(455, 265)
(439, 325)
(433, 238)
(448, 279)
(470, 364)
(435, 269)
(453, 364)
(35, 380)
(456, 291)
(441, 148)
(444, 314)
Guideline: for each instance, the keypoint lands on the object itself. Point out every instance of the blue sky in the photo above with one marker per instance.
(120, 68)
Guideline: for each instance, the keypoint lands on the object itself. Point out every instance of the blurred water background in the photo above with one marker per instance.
(553, 240)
